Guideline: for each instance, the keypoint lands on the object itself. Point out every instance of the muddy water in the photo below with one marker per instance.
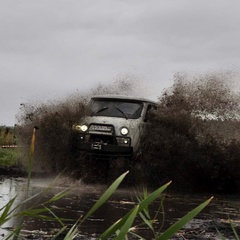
(82, 197)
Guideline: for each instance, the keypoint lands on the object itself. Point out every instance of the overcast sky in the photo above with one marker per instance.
(50, 48)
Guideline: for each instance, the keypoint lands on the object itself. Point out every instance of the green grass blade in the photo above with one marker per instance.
(28, 199)
(55, 216)
(128, 224)
(71, 233)
(147, 222)
(142, 205)
(188, 217)
(221, 236)
(59, 195)
(31, 156)
(15, 233)
(161, 208)
(105, 196)
(4, 207)
(38, 195)
(233, 229)
(59, 232)
(153, 196)
(6, 211)
(137, 236)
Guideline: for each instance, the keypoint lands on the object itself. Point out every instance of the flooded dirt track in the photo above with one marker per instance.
(82, 198)
(215, 217)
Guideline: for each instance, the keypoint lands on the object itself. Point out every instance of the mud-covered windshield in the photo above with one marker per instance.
(115, 108)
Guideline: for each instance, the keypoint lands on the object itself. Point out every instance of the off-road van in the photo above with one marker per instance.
(114, 125)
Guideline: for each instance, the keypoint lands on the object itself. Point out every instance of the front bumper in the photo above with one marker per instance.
(106, 149)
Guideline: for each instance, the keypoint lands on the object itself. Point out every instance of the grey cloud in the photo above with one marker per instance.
(52, 47)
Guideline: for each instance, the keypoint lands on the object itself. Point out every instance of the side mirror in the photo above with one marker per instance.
(150, 114)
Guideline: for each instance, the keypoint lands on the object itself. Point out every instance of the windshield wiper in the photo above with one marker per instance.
(121, 111)
(98, 111)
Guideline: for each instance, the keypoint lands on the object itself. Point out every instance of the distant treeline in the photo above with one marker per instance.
(7, 136)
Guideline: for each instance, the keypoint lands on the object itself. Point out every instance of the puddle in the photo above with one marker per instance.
(82, 198)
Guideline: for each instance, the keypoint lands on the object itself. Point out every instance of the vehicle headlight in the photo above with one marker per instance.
(124, 131)
(82, 128)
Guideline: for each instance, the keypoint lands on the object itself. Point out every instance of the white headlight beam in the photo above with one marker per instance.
(124, 131)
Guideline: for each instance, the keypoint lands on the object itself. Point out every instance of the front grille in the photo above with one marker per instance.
(101, 129)
(105, 139)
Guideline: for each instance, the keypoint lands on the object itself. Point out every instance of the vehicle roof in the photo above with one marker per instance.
(121, 97)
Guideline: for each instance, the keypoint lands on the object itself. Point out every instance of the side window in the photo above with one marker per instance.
(149, 112)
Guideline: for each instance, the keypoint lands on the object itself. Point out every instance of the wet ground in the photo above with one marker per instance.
(82, 197)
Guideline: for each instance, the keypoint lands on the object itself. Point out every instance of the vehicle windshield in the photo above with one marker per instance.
(115, 108)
